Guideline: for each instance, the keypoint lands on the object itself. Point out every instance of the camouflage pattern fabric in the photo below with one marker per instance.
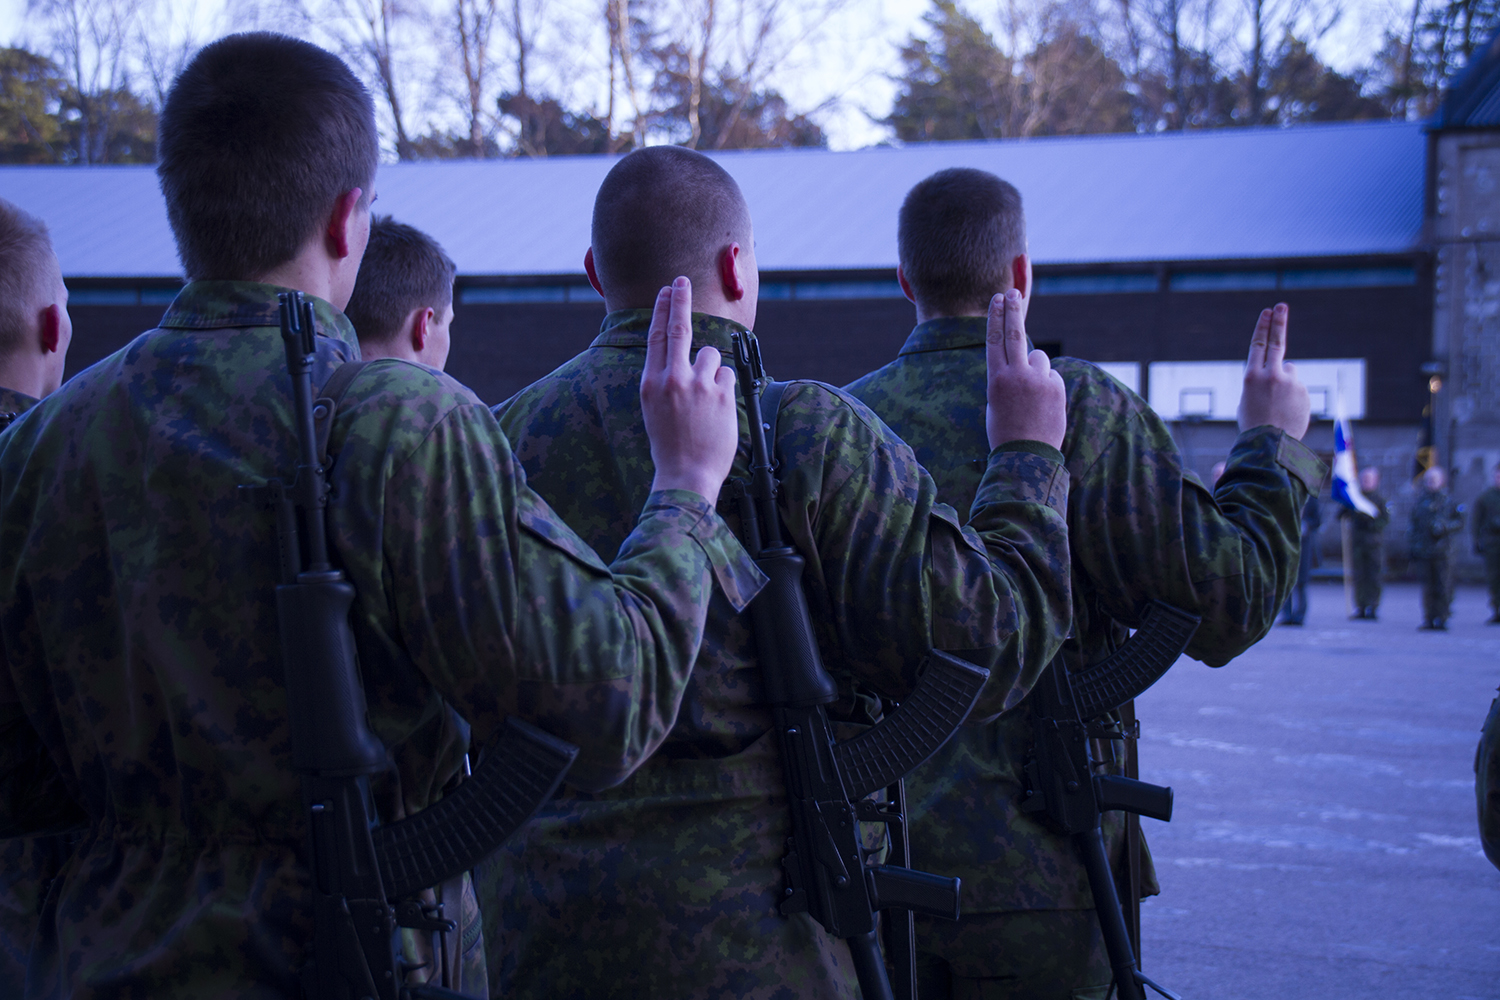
(1004, 956)
(1435, 518)
(1487, 784)
(139, 634)
(1141, 528)
(1367, 549)
(667, 885)
(1486, 529)
(28, 864)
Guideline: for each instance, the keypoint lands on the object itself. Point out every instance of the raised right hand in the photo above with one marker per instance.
(690, 409)
(1273, 394)
(1027, 400)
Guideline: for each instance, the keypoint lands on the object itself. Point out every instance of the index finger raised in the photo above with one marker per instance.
(1005, 333)
(1276, 337)
(1258, 340)
(671, 335)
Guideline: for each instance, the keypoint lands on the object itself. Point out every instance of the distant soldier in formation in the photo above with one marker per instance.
(1487, 540)
(668, 885)
(35, 331)
(402, 306)
(1295, 611)
(1141, 528)
(1434, 520)
(1367, 546)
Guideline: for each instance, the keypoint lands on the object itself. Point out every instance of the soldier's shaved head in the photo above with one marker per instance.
(661, 212)
(258, 138)
(957, 234)
(29, 274)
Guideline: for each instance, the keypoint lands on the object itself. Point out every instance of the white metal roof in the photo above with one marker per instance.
(1325, 190)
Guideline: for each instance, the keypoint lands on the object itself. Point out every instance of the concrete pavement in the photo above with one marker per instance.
(1324, 843)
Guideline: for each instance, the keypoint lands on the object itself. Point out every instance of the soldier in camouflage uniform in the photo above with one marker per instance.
(138, 629)
(1435, 518)
(1367, 546)
(1141, 528)
(667, 886)
(402, 305)
(35, 331)
(1487, 540)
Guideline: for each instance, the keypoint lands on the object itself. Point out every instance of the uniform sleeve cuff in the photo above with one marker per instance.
(1026, 474)
(1300, 461)
(1039, 448)
(734, 570)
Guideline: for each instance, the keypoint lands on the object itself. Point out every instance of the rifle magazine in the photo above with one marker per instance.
(1127, 672)
(513, 780)
(916, 730)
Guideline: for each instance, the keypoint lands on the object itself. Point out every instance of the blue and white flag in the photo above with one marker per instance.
(1345, 477)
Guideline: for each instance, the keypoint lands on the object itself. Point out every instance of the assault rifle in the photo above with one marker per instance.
(366, 876)
(828, 782)
(1062, 778)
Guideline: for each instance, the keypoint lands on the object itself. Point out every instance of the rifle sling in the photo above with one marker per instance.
(332, 394)
(770, 411)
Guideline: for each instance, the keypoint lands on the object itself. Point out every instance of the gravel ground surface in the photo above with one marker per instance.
(1324, 843)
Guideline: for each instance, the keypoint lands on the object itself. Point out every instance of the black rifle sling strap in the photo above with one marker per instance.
(770, 410)
(329, 398)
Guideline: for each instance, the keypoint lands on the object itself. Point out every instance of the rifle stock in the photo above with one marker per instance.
(1063, 787)
(827, 782)
(364, 875)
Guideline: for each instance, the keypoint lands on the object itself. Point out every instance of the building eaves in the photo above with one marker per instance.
(1234, 194)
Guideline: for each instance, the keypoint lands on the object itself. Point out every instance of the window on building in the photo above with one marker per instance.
(1222, 281)
(1210, 390)
(1094, 284)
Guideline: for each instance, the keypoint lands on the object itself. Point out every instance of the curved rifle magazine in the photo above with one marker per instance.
(1139, 663)
(515, 778)
(916, 730)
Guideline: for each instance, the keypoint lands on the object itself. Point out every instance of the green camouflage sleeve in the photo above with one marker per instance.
(1229, 555)
(498, 603)
(895, 570)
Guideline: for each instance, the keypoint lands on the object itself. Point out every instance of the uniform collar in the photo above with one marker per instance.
(218, 305)
(949, 333)
(12, 401)
(946, 334)
(629, 327)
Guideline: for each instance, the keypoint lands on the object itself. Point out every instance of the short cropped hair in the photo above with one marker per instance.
(403, 269)
(958, 232)
(258, 138)
(27, 266)
(661, 212)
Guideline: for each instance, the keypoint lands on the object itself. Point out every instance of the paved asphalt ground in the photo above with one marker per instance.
(1324, 843)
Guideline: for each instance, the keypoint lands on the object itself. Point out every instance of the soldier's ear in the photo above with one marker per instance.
(340, 224)
(588, 269)
(50, 335)
(1020, 274)
(911, 296)
(730, 277)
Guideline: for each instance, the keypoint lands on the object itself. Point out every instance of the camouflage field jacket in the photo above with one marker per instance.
(138, 634)
(667, 885)
(1140, 528)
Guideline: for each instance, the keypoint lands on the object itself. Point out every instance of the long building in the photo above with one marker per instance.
(1153, 256)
